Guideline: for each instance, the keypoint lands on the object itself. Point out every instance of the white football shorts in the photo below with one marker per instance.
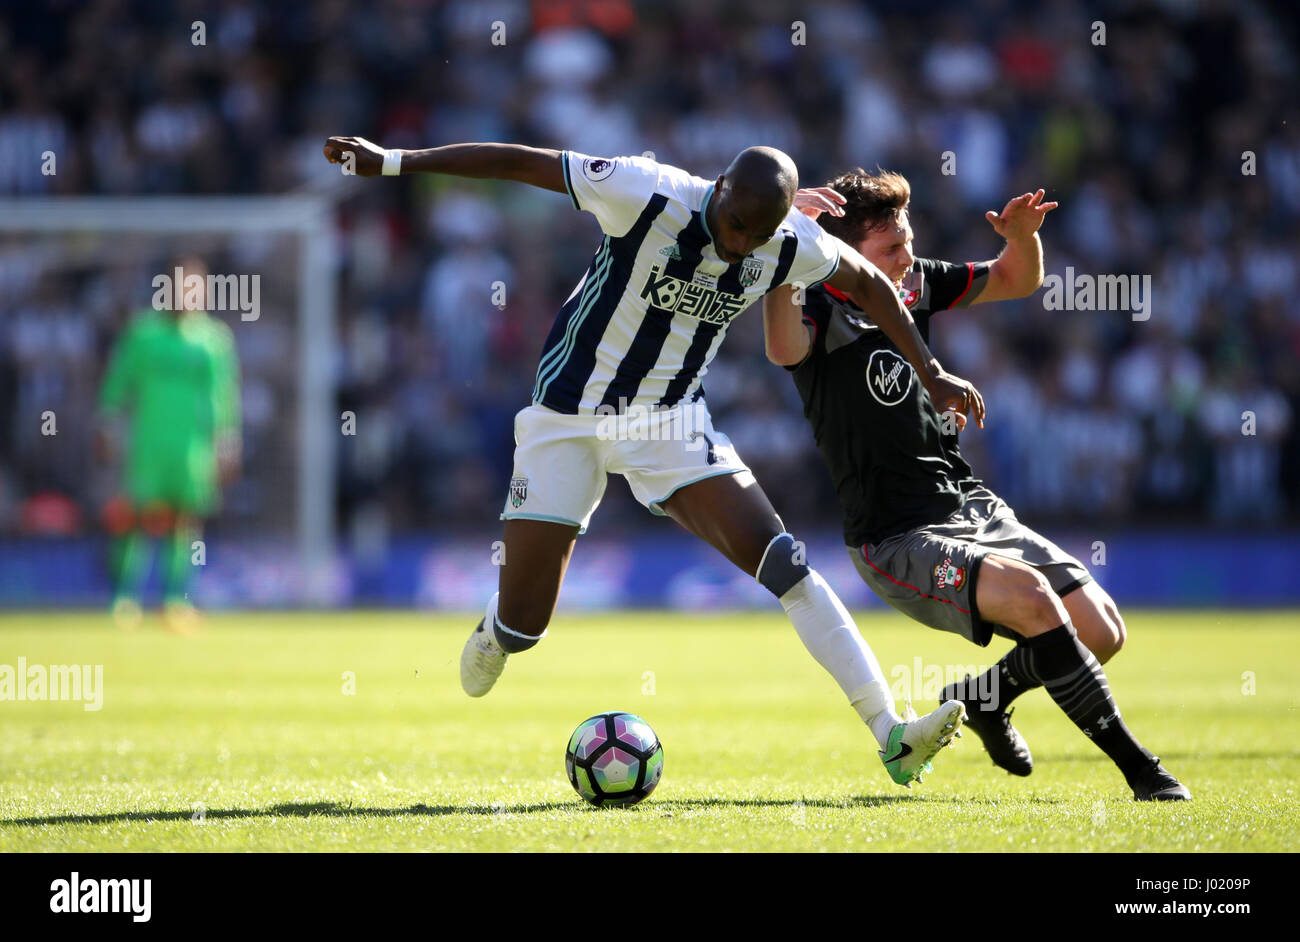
(561, 460)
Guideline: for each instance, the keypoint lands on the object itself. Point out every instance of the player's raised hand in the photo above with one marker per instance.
(951, 393)
(814, 201)
(1021, 217)
(356, 154)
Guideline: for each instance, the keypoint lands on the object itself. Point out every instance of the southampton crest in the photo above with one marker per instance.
(946, 574)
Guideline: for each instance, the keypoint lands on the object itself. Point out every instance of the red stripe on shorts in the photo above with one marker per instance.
(868, 561)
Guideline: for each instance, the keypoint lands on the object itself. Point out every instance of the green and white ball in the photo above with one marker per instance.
(614, 759)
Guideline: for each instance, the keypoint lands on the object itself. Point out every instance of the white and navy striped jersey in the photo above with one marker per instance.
(646, 319)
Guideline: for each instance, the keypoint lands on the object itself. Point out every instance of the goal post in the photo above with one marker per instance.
(309, 217)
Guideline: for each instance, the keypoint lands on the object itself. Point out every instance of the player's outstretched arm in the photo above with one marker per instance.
(785, 337)
(538, 166)
(867, 285)
(1018, 271)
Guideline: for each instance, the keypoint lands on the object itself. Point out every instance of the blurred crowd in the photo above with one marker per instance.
(1168, 132)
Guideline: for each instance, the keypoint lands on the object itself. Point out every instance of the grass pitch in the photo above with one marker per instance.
(247, 738)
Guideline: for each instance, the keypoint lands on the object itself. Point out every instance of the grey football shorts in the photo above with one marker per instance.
(930, 573)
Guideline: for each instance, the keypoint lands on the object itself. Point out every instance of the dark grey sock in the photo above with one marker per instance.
(1074, 679)
(993, 690)
(512, 642)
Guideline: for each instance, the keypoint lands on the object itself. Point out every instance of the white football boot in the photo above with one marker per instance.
(915, 741)
(481, 662)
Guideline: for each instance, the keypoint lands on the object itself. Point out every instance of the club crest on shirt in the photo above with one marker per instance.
(597, 168)
(518, 490)
(910, 291)
(751, 269)
(889, 377)
(946, 574)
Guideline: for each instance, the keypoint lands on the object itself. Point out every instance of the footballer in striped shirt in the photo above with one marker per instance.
(619, 390)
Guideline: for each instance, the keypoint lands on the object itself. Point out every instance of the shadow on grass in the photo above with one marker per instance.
(1171, 756)
(849, 801)
(330, 809)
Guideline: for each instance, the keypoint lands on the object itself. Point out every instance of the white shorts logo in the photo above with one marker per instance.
(518, 490)
(889, 377)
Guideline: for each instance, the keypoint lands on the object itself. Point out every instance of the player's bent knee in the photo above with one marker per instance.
(748, 546)
(1119, 631)
(1034, 599)
(1110, 631)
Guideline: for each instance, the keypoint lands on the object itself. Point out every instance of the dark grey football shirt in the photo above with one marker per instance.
(893, 465)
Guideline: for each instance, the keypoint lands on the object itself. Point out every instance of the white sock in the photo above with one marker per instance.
(826, 629)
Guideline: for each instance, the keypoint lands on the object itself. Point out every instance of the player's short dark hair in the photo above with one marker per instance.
(874, 201)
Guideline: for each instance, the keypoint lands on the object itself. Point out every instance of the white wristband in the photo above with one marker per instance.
(392, 163)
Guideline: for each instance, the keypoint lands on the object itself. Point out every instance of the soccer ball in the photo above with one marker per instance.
(614, 758)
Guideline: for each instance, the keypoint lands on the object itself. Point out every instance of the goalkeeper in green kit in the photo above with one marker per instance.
(171, 397)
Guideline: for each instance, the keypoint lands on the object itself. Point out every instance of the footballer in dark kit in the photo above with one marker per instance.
(926, 534)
